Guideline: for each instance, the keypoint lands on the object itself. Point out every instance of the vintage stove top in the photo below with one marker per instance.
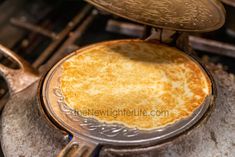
(43, 32)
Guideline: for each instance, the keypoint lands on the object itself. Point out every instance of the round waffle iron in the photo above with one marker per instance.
(88, 133)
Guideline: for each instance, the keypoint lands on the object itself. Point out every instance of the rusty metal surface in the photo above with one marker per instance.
(17, 79)
(24, 131)
(184, 15)
(21, 22)
(68, 45)
(212, 46)
(23, 125)
(61, 36)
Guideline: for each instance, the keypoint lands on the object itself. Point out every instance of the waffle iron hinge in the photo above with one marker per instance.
(173, 38)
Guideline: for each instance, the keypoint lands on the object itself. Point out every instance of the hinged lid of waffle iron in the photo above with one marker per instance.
(181, 15)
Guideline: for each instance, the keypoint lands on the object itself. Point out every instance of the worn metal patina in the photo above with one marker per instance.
(183, 15)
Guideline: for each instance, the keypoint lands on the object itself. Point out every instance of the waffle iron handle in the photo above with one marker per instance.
(78, 148)
(20, 78)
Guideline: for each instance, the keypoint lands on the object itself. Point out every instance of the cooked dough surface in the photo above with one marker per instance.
(135, 83)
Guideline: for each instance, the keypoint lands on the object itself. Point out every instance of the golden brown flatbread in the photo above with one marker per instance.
(135, 83)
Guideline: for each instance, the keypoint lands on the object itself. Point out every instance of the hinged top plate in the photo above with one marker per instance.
(182, 15)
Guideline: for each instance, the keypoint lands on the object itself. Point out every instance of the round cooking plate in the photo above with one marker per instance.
(183, 15)
(109, 133)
